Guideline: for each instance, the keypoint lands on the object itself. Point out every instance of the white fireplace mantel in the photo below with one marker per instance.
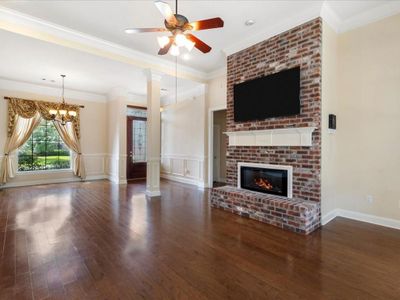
(296, 136)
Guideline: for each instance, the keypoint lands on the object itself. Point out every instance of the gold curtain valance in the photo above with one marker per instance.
(28, 108)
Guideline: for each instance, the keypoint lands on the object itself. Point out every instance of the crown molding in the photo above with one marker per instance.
(217, 73)
(378, 13)
(15, 88)
(325, 11)
(14, 21)
(330, 17)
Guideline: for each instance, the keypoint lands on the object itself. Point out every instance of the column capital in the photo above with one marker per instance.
(153, 75)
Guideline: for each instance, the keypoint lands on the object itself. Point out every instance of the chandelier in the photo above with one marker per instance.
(63, 114)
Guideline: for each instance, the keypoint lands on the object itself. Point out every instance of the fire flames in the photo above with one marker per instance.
(263, 183)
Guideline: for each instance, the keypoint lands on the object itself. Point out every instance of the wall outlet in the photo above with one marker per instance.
(370, 198)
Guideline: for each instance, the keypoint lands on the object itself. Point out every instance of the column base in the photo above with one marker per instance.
(153, 193)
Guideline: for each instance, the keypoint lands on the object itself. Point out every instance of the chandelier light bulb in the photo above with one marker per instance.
(174, 50)
(52, 111)
(72, 113)
(62, 112)
(162, 41)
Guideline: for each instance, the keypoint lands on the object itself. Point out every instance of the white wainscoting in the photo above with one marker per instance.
(185, 169)
(115, 166)
(95, 164)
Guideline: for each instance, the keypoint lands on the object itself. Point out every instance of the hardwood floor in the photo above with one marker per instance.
(96, 240)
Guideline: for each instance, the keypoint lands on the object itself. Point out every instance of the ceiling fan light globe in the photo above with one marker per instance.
(62, 112)
(129, 31)
(162, 41)
(180, 40)
(174, 50)
(189, 45)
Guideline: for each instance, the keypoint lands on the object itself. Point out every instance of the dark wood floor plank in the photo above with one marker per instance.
(96, 240)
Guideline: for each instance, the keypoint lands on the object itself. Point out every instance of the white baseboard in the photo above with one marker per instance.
(197, 183)
(329, 216)
(387, 222)
(96, 177)
(116, 179)
(52, 181)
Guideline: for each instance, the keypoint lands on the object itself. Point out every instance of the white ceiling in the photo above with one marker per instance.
(107, 20)
(30, 60)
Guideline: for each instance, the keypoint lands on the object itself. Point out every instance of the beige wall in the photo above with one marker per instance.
(93, 139)
(369, 119)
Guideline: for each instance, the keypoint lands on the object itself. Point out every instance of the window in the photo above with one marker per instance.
(139, 140)
(138, 117)
(45, 150)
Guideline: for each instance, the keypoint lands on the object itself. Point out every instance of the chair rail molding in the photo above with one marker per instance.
(296, 136)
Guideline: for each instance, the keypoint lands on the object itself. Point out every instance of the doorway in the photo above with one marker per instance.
(219, 148)
(136, 123)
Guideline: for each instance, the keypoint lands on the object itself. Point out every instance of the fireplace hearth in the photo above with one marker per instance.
(265, 178)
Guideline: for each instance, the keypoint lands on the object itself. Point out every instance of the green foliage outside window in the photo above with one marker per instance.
(44, 150)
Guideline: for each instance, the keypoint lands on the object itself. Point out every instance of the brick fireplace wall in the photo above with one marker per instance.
(300, 46)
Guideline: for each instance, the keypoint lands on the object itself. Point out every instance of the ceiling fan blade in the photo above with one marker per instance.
(199, 44)
(165, 50)
(141, 30)
(166, 11)
(207, 24)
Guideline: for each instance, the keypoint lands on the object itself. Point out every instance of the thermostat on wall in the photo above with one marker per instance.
(332, 123)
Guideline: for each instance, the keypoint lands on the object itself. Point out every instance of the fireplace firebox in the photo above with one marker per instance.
(265, 178)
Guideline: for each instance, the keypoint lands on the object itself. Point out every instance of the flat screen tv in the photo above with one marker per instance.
(275, 95)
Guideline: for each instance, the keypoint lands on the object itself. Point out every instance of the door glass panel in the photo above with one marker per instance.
(137, 112)
(139, 140)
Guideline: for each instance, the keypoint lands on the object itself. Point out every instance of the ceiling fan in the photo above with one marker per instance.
(180, 28)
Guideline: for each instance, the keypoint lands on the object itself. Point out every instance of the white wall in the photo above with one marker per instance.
(220, 120)
(216, 92)
(93, 134)
(183, 132)
(329, 106)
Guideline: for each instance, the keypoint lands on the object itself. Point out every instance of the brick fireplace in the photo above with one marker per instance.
(300, 46)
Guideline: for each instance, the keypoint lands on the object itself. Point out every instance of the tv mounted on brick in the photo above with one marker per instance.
(271, 96)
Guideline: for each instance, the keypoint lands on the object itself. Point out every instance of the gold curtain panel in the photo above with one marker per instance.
(27, 109)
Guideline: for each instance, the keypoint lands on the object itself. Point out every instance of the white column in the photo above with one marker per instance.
(153, 133)
(117, 101)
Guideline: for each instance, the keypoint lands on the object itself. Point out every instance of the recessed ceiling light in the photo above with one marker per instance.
(186, 56)
(249, 22)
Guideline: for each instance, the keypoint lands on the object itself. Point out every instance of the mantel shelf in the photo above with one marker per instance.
(296, 136)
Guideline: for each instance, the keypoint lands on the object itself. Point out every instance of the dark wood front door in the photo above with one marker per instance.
(136, 148)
